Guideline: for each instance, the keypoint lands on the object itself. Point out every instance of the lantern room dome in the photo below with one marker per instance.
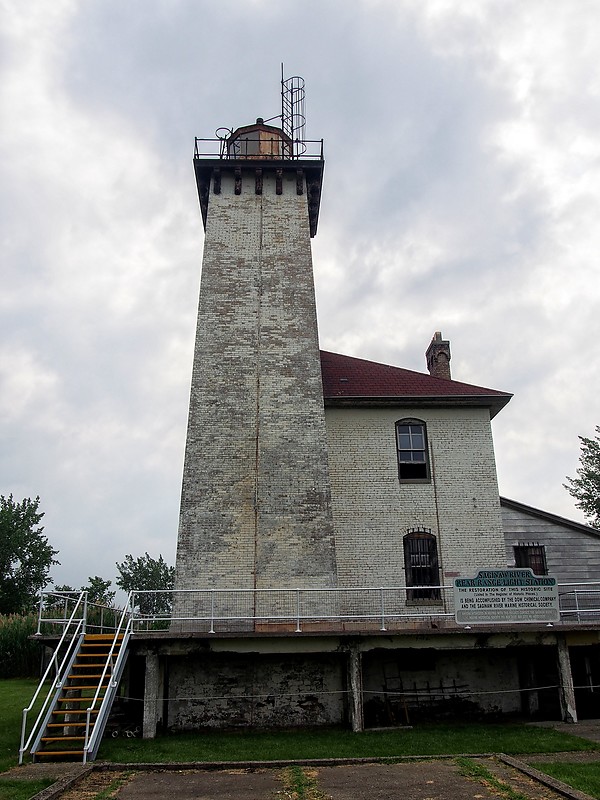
(259, 141)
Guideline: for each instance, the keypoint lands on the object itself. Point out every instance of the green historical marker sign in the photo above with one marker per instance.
(504, 596)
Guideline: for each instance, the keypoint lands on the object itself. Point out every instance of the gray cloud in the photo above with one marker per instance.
(461, 193)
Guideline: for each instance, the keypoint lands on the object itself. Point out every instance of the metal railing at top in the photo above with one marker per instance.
(248, 148)
(293, 610)
(56, 607)
(305, 610)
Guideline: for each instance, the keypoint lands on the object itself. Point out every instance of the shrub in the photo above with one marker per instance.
(19, 654)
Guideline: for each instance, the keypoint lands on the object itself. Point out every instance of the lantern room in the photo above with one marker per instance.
(259, 141)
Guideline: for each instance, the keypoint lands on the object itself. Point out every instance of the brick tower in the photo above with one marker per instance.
(255, 505)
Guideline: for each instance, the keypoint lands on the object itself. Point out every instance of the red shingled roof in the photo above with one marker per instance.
(348, 377)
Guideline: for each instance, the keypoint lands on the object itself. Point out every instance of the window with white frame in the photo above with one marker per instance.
(411, 443)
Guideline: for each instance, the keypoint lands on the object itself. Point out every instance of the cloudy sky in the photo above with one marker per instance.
(462, 194)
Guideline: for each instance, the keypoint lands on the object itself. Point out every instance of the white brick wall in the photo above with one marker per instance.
(372, 510)
(255, 508)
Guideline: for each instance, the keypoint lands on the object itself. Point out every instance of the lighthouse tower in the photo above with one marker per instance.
(255, 504)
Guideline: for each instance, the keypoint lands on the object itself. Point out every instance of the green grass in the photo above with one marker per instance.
(22, 790)
(585, 777)
(430, 739)
(111, 790)
(301, 784)
(433, 739)
(15, 694)
(471, 769)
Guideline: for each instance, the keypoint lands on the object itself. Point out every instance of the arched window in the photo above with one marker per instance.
(411, 442)
(421, 565)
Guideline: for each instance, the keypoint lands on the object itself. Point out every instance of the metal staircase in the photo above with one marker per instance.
(75, 715)
(78, 701)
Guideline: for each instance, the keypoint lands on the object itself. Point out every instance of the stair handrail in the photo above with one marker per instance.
(123, 629)
(57, 682)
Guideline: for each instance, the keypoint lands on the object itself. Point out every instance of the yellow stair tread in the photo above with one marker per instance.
(87, 686)
(86, 676)
(102, 642)
(46, 753)
(102, 645)
(62, 738)
(82, 697)
(69, 724)
(73, 687)
(73, 711)
(91, 675)
(86, 699)
(88, 655)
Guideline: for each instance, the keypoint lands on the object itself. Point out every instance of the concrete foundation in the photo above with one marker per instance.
(198, 683)
(232, 690)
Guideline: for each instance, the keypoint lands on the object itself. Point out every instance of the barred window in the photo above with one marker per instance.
(411, 443)
(421, 565)
(533, 555)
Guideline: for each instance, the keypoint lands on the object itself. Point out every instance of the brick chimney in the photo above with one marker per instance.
(438, 357)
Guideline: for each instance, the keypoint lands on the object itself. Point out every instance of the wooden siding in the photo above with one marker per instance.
(572, 550)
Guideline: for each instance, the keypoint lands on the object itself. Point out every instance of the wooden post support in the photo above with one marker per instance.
(355, 688)
(565, 676)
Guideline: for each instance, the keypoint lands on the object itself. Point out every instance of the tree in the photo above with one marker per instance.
(56, 598)
(62, 602)
(586, 488)
(146, 573)
(66, 589)
(25, 554)
(97, 589)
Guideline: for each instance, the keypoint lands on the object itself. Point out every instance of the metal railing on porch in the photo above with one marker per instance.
(295, 610)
